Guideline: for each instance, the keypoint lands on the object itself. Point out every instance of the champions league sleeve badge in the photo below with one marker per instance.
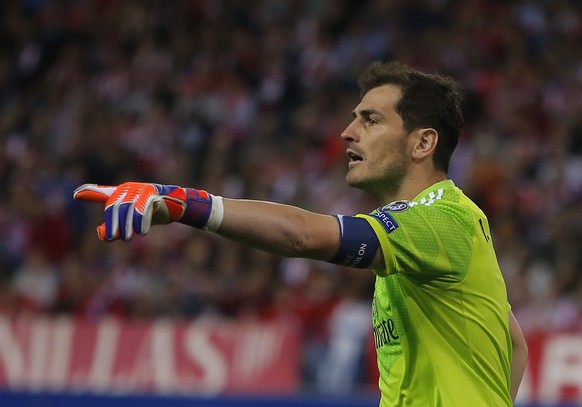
(396, 206)
(383, 215)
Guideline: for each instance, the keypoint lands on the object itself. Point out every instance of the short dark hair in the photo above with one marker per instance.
(428, 100)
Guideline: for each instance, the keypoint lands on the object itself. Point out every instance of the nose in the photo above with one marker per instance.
(350, 134)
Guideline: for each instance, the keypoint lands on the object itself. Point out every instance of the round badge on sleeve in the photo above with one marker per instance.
(397, 206)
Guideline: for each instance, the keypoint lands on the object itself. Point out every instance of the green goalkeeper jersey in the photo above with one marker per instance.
(440, 309)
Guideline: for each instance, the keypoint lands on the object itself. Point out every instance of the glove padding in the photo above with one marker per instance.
(130, 206)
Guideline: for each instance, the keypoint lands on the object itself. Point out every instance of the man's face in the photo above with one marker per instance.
(377, 143)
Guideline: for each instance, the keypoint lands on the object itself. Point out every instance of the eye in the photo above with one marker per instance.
(370, 121)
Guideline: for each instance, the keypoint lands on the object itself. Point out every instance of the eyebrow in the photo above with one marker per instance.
(366, 112)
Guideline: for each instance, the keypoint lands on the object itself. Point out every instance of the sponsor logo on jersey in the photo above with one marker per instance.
(397, 206)
(385, 332)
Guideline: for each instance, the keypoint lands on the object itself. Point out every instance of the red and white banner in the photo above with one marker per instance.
(212, 357)
(164, 357)
(554, 370)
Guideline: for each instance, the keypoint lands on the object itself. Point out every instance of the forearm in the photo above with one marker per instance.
(518, 363)
(280, 229)
(520, 355)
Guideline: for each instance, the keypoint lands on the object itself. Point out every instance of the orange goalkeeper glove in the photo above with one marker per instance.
(133, 207)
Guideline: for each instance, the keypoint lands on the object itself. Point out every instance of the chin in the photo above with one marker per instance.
(366, 185)
(355, 182)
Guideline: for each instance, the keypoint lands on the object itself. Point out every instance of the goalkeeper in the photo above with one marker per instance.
(444, 331)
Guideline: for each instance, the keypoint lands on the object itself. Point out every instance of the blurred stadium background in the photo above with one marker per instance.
(247, 99)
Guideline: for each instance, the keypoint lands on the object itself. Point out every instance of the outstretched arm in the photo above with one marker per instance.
(280, 229)
(520, 354)
(132, 208)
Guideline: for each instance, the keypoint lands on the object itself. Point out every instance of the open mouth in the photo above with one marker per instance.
(353, 156)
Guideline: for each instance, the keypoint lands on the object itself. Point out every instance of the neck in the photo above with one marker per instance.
(412, 186)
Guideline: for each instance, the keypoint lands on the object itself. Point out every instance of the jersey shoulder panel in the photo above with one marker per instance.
(430, 234)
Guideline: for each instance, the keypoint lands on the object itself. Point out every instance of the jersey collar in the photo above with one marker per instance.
(444, 184)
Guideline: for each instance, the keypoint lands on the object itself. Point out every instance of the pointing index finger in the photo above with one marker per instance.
(93, 193)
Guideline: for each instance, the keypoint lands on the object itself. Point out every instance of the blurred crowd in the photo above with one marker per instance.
(248, 99)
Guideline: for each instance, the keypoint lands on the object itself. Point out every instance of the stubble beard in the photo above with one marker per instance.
(387, 183)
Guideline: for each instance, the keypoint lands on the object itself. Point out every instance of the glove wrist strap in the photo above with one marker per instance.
(202, 211)
(216, 214)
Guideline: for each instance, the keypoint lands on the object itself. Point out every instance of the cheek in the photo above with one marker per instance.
(390, 156)
(382, 153)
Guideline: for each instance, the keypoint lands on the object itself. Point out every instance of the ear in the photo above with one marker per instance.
(425, 142)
